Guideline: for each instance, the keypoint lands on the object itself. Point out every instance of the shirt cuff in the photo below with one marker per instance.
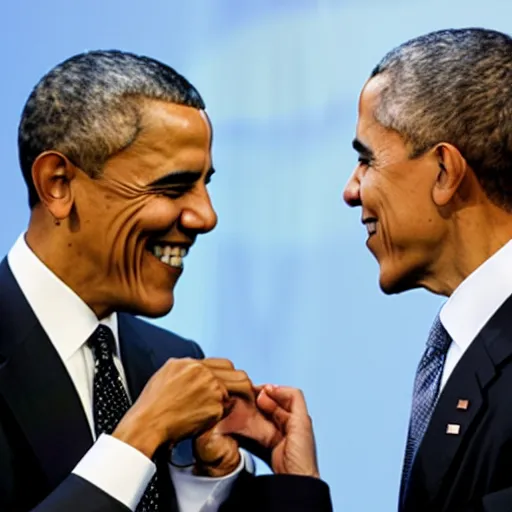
(117, 469)
(204, 493)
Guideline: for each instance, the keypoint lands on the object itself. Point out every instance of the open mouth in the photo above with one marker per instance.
(171, 255)
(371, 226)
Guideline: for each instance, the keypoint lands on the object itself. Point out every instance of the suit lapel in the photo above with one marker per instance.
(460, 402)
(37, 388)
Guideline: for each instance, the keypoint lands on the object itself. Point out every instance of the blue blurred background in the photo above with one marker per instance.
(285, 286)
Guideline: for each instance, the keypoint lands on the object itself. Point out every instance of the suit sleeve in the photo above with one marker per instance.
(198, 351)
(278, 493)
(500, 501)
(77, 495)
(22, 485)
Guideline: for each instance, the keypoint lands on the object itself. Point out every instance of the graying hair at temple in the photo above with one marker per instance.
(454, 86)
(89, 108)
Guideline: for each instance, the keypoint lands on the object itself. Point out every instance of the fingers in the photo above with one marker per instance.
(273, 410)
(217, 362)
(237, 382)
(290, 399)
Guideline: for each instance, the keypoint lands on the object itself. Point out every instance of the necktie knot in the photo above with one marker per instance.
(102, 343)
(438, 338)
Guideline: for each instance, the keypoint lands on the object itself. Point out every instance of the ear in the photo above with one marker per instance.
(452, 171)
(52, 174)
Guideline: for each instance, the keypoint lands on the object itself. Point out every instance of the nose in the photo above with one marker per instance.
(352, 191)
(198, 215)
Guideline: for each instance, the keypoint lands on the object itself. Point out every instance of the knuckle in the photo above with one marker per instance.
(171, 362)
(243, 375)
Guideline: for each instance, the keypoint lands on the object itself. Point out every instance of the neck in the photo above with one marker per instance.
(472, 239)
(55, 246)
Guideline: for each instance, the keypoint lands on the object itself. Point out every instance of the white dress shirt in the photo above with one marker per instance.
(473, 304)
(115, 467)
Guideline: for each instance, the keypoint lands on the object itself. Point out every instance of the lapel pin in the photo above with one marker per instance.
(453, 429)
(463, 404)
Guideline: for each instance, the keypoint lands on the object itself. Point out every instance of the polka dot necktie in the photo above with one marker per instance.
(426, 391)
(110, 400)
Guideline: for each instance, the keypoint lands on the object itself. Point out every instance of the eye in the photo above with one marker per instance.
(365, 162)
(175, 192)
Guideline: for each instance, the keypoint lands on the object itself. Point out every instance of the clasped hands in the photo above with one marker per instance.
(221, 410)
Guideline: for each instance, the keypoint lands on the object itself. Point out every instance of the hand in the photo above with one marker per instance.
(216, 450)
(294, 451)
(182, 399)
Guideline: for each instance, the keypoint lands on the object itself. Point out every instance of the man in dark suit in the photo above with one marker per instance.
(434, 137)
(115, 152)
(434, 185)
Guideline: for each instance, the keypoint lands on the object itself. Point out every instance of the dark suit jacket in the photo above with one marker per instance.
(44, 431)
(470, 469)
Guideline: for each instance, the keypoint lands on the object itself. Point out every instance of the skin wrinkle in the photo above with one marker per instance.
(436, 219)
(89, 108)
(128, 211)
(472, 68)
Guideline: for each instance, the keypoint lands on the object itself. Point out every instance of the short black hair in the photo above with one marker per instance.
(88, 108)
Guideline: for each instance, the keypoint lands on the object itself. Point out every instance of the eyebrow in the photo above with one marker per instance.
(362, 149)
(179, 178)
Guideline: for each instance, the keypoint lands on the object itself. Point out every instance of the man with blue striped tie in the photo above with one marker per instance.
(434, 184)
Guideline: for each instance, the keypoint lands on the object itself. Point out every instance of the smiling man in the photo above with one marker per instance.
(434, 186)
(115, 150)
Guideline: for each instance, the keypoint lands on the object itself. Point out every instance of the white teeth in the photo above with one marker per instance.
(371, 227)
(172, 256)
(176, 261)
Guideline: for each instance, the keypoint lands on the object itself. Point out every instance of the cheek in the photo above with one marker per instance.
(159, 213)
(128, 227)
(144, 215)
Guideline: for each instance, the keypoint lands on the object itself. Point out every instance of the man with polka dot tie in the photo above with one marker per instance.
(95, 403)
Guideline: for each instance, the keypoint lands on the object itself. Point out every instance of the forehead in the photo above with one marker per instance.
(171, 137)
(171, 128)
(368, 103)
(369, 130)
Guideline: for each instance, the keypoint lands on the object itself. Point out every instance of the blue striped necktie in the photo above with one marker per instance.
(426, 391)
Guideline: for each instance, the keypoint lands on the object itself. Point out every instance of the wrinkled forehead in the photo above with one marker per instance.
(170, 138)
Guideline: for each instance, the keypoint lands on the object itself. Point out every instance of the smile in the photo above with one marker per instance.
(371, 226)
(169, 254)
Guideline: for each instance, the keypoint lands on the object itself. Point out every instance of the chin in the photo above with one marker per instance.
(155, 307)
(393, 282)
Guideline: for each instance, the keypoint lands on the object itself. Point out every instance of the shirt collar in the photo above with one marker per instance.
(478, 297)
(64, 316)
